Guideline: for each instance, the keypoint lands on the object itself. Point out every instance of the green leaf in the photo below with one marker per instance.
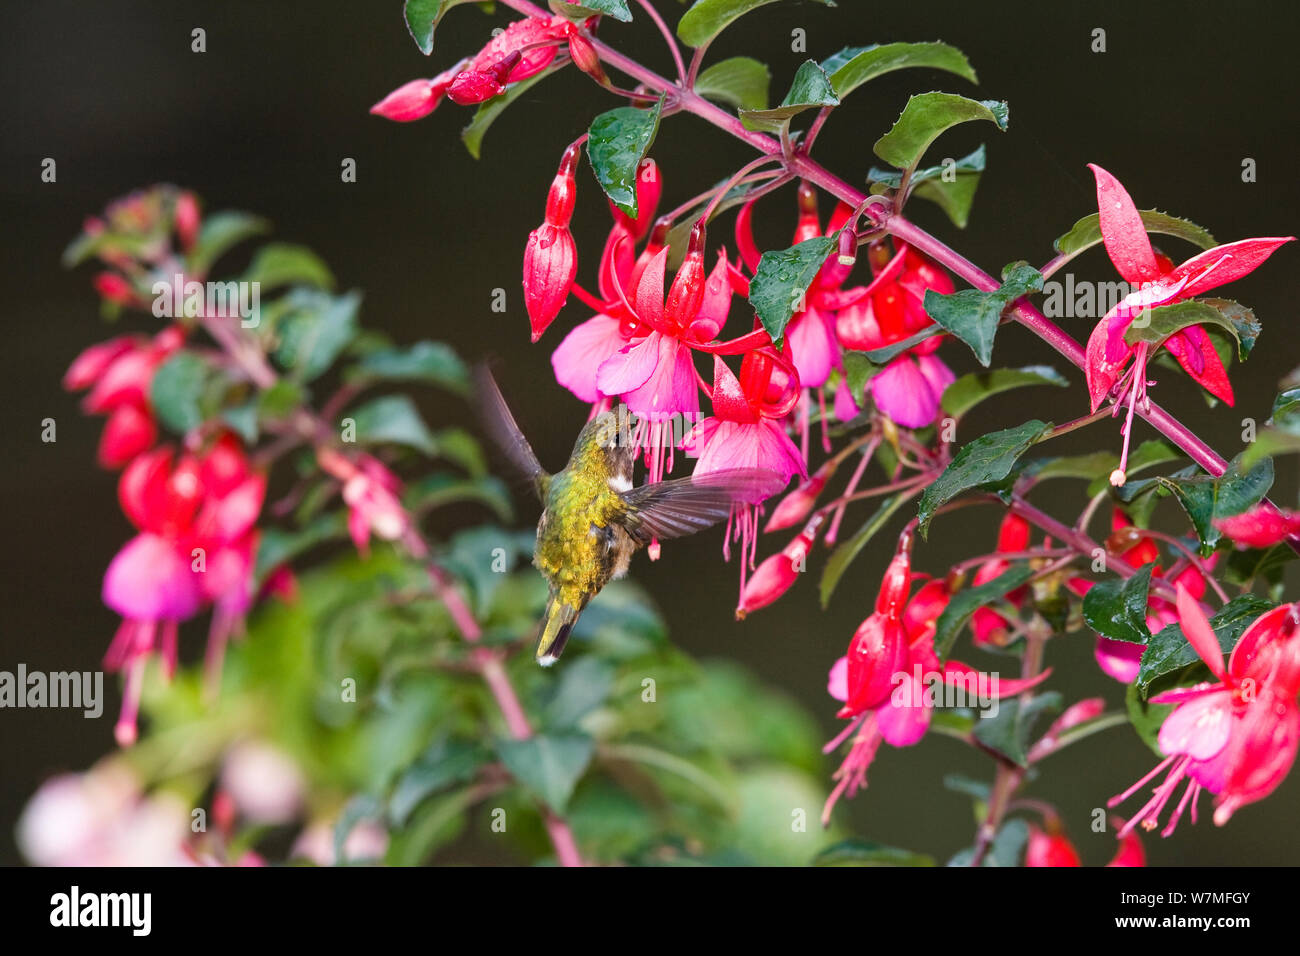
(858, 370)
(1146, 717)
(1169, 651)
(857, 852)
(276, 546)
(313, 331)
(280, 400)
(811, 89)
(928, 115)
(434, 363)
(220, 232)
(422, 18)
(1118, 609)
(1007, 732)
(707, 18)
(446, 763)
(973, 316)
(867, 63)
(588, 8)
(881, 356)
(177, 390)
(583, 686)
(845, 552)
(782, 279)
(548, 765)
(393, 418)
(1155, 325)
(1206, 499)
(969, 390)
(968, 600)
(741, 81)
(988, 458)
(951, 185)
(489, 110)
(283, 263)
(1151, 452)
(1087, 232)
(617, 143)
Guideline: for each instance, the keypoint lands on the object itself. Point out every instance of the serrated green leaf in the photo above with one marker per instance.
(1118, 609)
(548, 765)
(782, 278)
(928, 115)
(968, 600)
(846, 551)
(434, 363)
(951, 186)
(857, 852)
(973, 316)
(1087, 232)
(1169, 651)
(987, 459)
(741, 81)
(707, 18)
(811, 89)
(867, 63)
(617, 142)
(969, 390)
(1154, 325)
(489, 110)
(1206, 499)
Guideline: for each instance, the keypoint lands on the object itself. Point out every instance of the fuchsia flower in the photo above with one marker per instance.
(551, 257)
(371, 493)
(882, 678)
(1237, 735)
(195, 547)
(522, 50)
(1157, 282)
(891, 309)
(119, 373)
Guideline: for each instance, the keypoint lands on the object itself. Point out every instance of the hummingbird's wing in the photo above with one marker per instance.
(682, 506)
(503, 428)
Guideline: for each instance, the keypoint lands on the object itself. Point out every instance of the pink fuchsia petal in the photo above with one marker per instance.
(410, 101)
(1195, 352)
(813, 346)
(227, 580)
(1223, 264)
(1119, 659)
(671, 387)
(233, 515)
(846, 409)
(578, 358)
(837, 682)
(150, 579)
(903, 393)
(1198, 727)
(1261, 752)
(937, 374)
(1197, 630)
(629, 367)
(1122, 231)
(764, 444)
(905, 717)
(1101, 368)
(1261, 527)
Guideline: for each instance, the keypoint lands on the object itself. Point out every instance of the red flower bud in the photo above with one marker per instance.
(411, 101)
(687, 290)
(187, 217)
(114, 288)
(475, 86)
(795, 506)
(129, 431)
(777, 574)
(877, 652)
(1050, 849)
(550, 266)
(585, 58)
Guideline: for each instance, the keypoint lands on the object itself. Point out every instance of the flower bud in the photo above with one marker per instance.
(585, 58)
(550, 266)
(795, 506)
(114, 288)
(687, 290)
(1050, 849)
(411, 101)
(777, 574)
(129, 431)
(475, 86)
(187, 217)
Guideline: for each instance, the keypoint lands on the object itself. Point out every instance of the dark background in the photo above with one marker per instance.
(262, 120)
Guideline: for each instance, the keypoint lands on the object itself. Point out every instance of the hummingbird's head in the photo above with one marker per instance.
(607, 441)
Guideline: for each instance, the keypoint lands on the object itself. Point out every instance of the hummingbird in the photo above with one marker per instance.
(594, 519)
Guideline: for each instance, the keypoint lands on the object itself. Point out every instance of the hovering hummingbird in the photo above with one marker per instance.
(594, 520)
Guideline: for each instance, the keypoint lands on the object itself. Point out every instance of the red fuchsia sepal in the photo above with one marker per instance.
(551, 256)
(1261, 527)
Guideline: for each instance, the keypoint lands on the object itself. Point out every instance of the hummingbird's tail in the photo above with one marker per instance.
(556, 625)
